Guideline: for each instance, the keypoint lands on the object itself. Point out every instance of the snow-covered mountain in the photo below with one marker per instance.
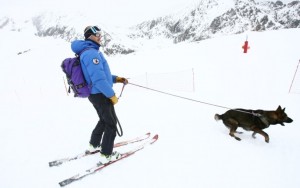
(217, 17)
(68, 26)
(208, 19)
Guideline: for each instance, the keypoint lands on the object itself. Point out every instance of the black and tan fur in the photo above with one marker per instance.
(253, 120)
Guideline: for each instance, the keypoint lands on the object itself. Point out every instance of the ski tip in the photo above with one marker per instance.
(155, 137)
(66, 182)
(62, 184)
(55, 163)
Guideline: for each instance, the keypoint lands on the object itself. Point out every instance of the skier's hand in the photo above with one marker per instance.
(121, 80)
(114, 100)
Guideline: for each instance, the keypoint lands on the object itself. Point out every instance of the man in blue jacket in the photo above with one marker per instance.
(97, 74)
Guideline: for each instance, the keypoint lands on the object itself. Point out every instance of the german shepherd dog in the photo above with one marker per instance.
(253, 120)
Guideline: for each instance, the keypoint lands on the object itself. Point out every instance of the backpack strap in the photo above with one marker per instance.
(78, 55)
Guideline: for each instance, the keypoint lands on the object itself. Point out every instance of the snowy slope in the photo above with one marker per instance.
(40, 123)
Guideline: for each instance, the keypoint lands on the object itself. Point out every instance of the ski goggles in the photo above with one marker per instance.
(94, 30)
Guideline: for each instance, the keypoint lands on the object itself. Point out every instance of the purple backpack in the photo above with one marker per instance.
(72, 68)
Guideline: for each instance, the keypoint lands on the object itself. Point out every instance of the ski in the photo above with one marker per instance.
(87, 153)
(99, 166)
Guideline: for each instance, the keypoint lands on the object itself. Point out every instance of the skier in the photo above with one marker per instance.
(97, 74)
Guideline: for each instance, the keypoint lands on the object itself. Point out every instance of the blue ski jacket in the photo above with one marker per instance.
(95, 67)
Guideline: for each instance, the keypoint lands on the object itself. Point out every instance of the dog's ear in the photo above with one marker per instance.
(279, 108)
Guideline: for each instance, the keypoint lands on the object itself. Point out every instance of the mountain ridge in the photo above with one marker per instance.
(242, 16)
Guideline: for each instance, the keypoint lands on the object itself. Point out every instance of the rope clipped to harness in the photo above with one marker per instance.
(256, 114)
(262, 118)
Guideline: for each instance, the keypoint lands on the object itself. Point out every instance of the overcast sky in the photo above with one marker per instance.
(121, 12)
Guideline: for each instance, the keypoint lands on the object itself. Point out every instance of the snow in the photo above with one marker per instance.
(40, 123)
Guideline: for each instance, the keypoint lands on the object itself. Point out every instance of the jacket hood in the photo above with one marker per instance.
(78, 45)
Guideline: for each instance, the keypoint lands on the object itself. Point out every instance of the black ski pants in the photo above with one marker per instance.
(104, 133)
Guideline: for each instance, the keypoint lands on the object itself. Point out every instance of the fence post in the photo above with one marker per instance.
(294, 76)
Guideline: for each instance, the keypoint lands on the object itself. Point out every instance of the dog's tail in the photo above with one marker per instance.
(218, 117)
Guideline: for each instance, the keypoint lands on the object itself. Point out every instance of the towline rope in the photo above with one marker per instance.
(178, 96)
(206, 103)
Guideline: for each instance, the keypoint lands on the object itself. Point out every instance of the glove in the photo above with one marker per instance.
(121, 80)
(114, 100)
